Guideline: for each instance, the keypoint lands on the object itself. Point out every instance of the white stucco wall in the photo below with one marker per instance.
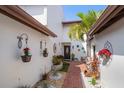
(39, 12)
(78, 54)
(51, 16)
(55, 16)
(112, 75)
(13, 72)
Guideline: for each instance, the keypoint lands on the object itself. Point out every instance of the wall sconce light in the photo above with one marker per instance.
(21, 38)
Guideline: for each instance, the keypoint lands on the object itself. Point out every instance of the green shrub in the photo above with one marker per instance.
(72, 56)
(57, 59)
(65, 67)
(93, 81)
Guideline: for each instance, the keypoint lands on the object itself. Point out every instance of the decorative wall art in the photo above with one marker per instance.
(73, 47)
(78, 49)
(77, 46)
(82, 48)
(108, 46)
(41, 45)
(26, 56)
(45, 51)
(54, 48)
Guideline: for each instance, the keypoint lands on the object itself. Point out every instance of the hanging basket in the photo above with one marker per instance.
(105, 55)
(26, 58)
(45, 54)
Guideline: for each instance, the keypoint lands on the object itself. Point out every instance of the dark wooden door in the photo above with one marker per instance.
(66, 52)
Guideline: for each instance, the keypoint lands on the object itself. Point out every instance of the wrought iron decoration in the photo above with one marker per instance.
(108, 46)
(54, 48)
(20, 40)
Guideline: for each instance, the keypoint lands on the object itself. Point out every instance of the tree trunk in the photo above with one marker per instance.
(88, 47)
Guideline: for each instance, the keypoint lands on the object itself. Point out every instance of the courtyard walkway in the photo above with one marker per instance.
(73, 77)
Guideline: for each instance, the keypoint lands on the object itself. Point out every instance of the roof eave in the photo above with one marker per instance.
(18, 14)
(107, 15)
(71, 22)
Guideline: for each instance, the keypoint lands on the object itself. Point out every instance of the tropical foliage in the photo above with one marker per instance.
(77, 30)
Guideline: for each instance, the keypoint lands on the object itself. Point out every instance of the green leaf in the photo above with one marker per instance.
(76, 31)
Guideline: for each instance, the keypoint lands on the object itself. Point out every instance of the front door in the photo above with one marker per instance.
(66, 52)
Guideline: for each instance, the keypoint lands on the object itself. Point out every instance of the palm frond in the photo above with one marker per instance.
(77, 31)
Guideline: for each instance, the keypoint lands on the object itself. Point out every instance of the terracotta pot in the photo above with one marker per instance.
(26, 58)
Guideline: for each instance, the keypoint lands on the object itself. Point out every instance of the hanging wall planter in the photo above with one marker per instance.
(105, 54)
(26, 56)
(45, 52)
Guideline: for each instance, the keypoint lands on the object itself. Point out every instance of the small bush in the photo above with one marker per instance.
(65, 67)
(57, 59)
(72, 56)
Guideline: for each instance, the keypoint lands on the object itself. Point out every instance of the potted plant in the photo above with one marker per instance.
(58, 62)
(26, 57)
(72, 56)
(93, 81)
(44, 76)
(105, 54)
(45, 52)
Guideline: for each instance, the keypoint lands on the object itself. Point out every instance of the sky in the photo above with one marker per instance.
(70, 11)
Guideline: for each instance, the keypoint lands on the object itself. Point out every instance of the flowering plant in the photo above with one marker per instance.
(105, 54)
(27, 51)
(26, 57)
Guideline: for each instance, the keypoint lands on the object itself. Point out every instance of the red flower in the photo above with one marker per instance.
(105, 52)
(26, 49)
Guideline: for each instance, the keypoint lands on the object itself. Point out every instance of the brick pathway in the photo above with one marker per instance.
(73, 78)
